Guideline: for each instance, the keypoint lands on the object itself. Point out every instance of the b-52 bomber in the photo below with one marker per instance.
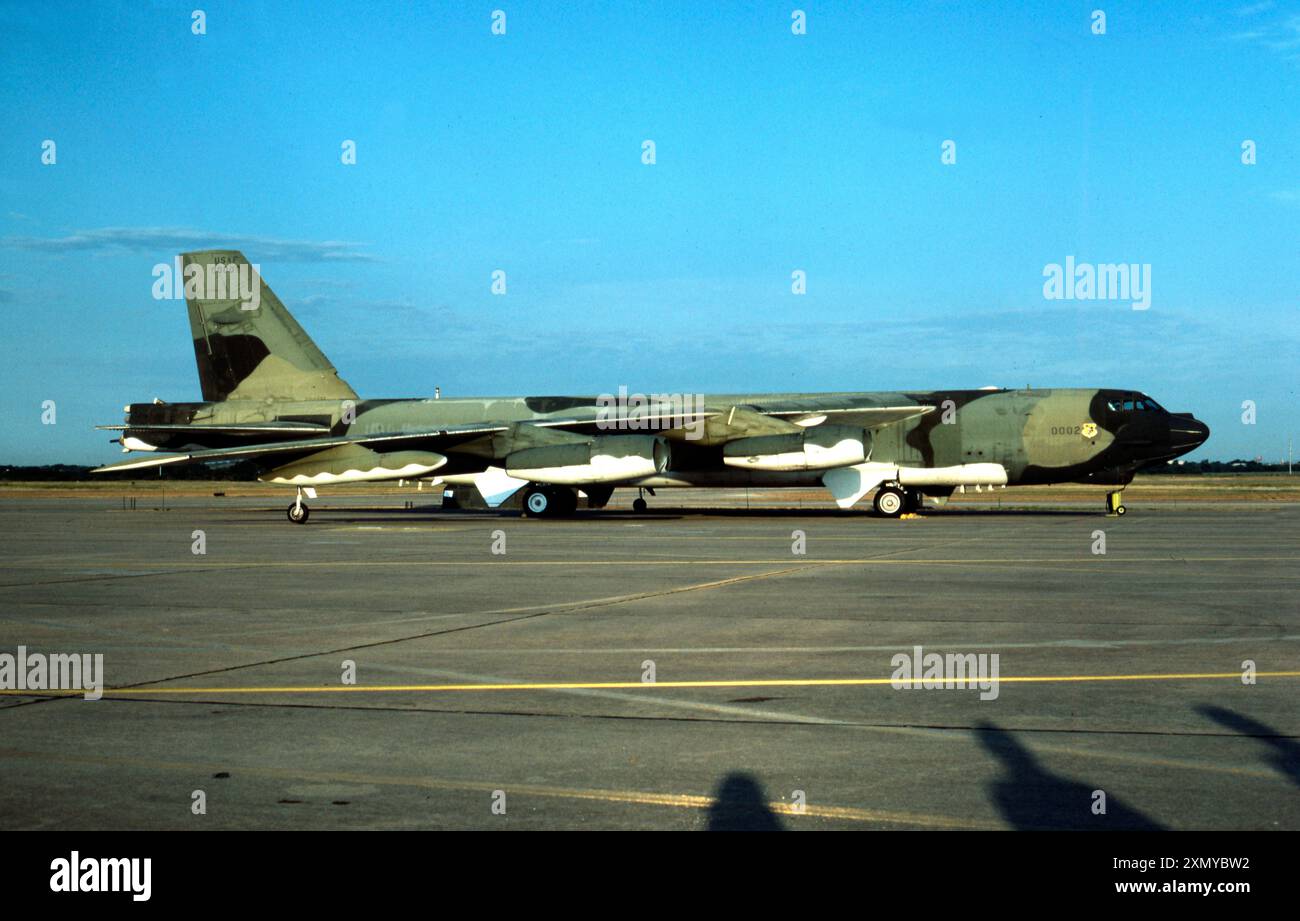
(271, 396)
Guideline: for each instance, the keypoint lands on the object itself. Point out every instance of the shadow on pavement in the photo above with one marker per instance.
(740, 805)
(1031, 797)
(1286, 752)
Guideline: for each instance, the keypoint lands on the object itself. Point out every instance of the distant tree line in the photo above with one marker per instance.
(241, 470)
(1209, 466)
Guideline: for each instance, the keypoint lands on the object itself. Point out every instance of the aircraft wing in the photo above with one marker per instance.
(723, 424)
(742, 421)
(720, 426)
(865, 416)
(300, 446)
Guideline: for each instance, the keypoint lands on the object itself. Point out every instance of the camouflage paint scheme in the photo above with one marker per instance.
(272, 396)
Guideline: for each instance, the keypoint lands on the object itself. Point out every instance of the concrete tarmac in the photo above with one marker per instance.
(510, 689)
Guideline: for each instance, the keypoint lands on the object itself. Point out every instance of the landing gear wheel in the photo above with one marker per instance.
(298, 513)
(639, 504)
(889, 501)
(1120, 510)
(538, 502)
(1115, 503)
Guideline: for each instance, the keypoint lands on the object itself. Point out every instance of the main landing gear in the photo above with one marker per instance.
(889, 501)
(550, 501)
(892, 501)
(298, 511)
(1115, 503)
(639, 504)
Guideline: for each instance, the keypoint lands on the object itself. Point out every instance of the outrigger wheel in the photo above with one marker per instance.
(298, 511)
(890, 501)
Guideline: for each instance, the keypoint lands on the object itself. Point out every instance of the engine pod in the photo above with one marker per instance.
(604, 459)
(821, 447)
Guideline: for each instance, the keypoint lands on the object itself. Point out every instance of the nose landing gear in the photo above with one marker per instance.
(1115, 503)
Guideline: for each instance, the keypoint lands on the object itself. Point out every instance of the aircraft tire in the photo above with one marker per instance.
(890, 501)
(298, 513)
(539, 502)
(566, 500)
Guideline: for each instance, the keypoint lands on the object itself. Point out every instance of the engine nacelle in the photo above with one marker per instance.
(821, 447)
(604, 459)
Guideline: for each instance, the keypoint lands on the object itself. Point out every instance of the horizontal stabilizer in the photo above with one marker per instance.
(146, 462)
(251, 428)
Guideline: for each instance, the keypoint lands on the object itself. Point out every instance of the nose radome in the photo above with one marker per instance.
(1188, 432)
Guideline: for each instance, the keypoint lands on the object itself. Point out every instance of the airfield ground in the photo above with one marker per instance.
(1118, 661)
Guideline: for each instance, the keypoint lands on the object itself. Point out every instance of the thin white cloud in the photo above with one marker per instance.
(1287, 35)
(1280, 35)
(180, 239)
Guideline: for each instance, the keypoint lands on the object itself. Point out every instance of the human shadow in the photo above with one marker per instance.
(740, 805)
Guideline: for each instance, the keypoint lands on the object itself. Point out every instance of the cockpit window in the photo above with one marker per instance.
(1145, 404)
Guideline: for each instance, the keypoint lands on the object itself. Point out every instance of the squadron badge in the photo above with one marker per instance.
(1088, 430)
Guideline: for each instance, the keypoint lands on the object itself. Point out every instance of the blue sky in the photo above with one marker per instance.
(775, 152)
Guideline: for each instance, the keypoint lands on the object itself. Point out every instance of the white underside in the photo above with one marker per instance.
(603, 468)
(356, 475)
(849, 484)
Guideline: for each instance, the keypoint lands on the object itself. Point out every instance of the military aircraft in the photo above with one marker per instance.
(271, 396)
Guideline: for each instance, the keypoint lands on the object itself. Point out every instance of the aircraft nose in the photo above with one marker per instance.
(1187, 432)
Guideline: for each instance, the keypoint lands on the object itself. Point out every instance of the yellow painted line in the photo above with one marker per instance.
(630, 685)
(628, 797)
